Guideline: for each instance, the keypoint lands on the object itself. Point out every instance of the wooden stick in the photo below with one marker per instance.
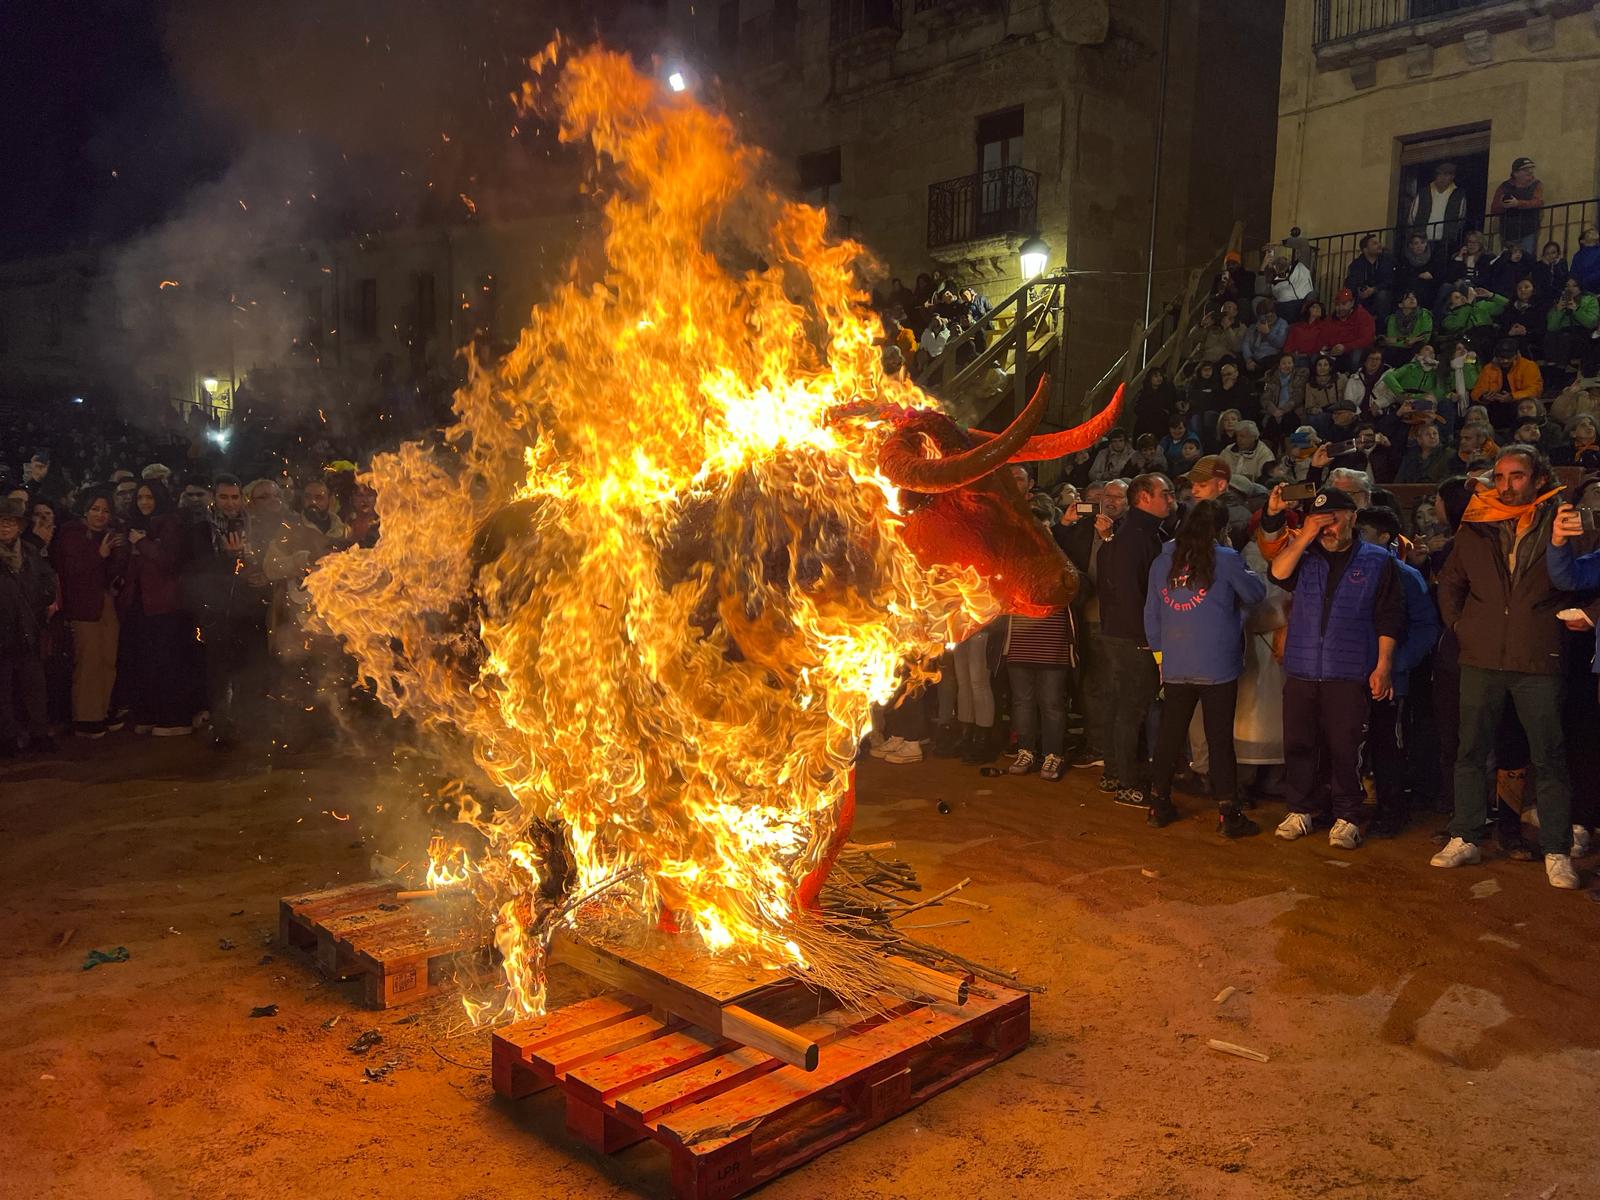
(742, 1025)
(1237, 1051)
(421, 894)
(925, 981)
(911, 908)
(857, 848)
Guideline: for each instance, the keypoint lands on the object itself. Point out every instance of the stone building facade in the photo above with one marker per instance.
(943, 133)
(1376, 92)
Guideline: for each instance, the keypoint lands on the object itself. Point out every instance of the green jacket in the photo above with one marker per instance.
(1472, 315)
(1421, 329)
(1410, 377)
(1585, 316)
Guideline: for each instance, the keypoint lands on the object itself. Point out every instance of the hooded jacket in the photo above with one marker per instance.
(1353, 331)
(1200, 633)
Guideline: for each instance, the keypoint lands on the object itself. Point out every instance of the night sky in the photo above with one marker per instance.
(365, 113)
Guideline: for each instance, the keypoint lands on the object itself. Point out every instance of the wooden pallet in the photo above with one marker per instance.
(401, 949)
(732, 1117)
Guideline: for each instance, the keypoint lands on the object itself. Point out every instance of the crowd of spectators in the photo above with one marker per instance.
(1340, 559)
(143, 584)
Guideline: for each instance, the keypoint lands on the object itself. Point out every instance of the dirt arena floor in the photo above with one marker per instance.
(1424, 1041)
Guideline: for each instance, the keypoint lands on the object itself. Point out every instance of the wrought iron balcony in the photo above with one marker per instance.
(851, 19)
(989, 204)
(1337, 20)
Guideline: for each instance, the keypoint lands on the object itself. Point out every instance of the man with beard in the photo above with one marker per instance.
(1349, 615)
(1496, 593)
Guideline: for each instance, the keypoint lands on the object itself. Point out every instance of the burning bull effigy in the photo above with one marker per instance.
(681, 540)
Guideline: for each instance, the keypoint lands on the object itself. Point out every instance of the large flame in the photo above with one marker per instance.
(659, 583)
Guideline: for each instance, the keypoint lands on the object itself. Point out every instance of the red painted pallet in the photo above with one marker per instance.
(401, 949)
(731, 1117)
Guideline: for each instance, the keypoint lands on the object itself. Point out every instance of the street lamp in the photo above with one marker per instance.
(677, 81)
(1035, 256)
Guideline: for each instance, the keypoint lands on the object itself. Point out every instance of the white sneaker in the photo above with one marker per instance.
(1346, 835)
(886, 747)
(1024, 764)
(1559, 868)
(1456, 853)
(1295, 825)
(905, 752)
(1582, 843)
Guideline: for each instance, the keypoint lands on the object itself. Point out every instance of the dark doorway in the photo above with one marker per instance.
(1420, 157)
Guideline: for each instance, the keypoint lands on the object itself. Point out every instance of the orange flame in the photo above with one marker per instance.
(659, 584)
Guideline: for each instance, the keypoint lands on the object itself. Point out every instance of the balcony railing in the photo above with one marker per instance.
(1559, 223)
(1340, 19)
(849, 19)
(990, 204)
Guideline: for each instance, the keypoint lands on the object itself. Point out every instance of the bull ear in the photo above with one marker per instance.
(903, 464)
(1070, 441)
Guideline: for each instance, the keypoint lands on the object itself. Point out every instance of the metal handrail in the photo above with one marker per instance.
(1557, 223)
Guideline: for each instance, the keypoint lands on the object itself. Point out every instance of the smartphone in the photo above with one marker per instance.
(1335, 449)
(1086, 509)
(1586, 515)
(1423, 404)
(1295, 492)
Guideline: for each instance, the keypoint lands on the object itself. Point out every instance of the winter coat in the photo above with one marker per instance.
(1504, 622)
(1522, 381)
(1433, 467)
(1308, 338)
(85, 576)
(150, 585)
(1125, 574)
(1354, 331)
(1585, 316)
(1335, 623)
(1397, 333)
(1247, 465)
(1472, 315)
(1200, 634)
(1422, 628)
(1503, 274)
(1263, 347)
(25, 597)
(1586, 268)
(1378, 273)
(1286, 397)
(1574, 572)
(1549, 279)
(1215, 342)
(220, 586)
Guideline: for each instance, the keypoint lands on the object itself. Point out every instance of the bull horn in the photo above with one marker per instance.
(904, 467)
(1070, 441)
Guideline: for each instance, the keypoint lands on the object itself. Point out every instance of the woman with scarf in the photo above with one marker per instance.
(1361, 387)
(1308, 336)
(1282, 393)
(1420, 269)
(1157, 400)
(156, 632)
(90, 557)
(1581, 449)
(1409, 326)
(1321, 391)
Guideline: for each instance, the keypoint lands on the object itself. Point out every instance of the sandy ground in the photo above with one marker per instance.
(1424, 1042)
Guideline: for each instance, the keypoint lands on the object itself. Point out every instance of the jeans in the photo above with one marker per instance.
(1132, 682)
(1039, 707)
(974, 691)
(1537, 699)
(1217, 703)
(237, 667)
(1094, 687)
(1324, 722)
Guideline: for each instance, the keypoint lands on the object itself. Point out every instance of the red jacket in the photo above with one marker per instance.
(1354, 332)
(1308, 337)
(151, 582)
(85, 576)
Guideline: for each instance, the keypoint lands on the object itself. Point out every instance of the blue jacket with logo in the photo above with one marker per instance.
(1200, 634)
(1423, 627)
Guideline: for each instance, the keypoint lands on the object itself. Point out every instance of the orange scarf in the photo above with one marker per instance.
(1488, 507)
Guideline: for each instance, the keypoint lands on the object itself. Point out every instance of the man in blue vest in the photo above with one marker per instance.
(1348, 617)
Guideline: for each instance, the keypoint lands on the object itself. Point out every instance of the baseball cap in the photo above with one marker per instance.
(1344, 295)
(1344, 405)
(1209, 467)
(1519, 164)
(17, 510)
(1304, 438)
(1332, 500)
(1508, 347)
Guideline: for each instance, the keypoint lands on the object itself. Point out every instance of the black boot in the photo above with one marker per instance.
(980, 749)
(1232, 823)
(1162, 813)
(952, 740)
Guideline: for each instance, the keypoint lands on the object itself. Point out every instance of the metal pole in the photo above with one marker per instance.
(1155, 181)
